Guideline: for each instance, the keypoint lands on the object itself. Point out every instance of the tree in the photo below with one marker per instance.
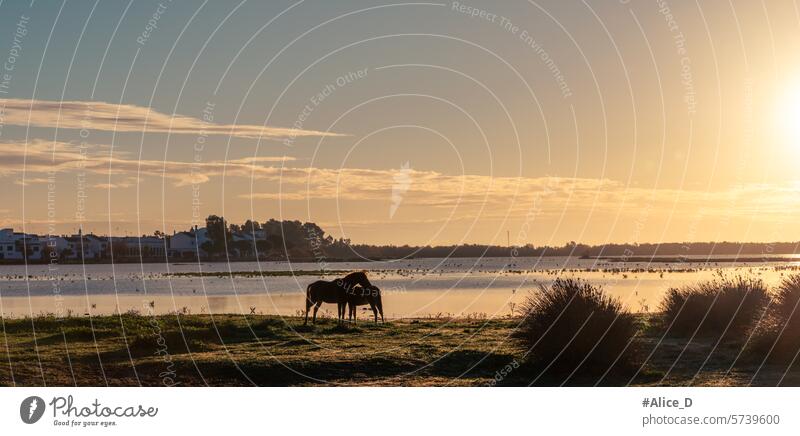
(263, 245)
(119, 249)
(244, 247)
(250, 227)
(208, 247)
(48, 252)
(218, 233)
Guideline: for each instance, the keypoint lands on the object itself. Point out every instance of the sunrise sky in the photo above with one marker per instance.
(418, 123)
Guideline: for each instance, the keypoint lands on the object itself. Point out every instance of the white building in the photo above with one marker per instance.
(139, 247)
(32, 245)
(56, 244)
(93, 247)
(13, 245)
(98, 245)
(8, 245)
(189, 244)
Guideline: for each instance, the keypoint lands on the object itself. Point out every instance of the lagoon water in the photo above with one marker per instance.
(482, 287)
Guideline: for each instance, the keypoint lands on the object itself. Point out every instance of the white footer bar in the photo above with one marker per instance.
(408, 411)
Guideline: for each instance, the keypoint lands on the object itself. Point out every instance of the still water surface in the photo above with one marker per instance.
(489, 287)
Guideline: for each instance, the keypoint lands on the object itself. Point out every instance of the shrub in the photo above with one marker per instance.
(778, 335)
(722, 307)
(572, 322)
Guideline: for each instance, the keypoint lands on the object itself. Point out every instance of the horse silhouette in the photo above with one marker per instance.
(361, 296)
(333, 292)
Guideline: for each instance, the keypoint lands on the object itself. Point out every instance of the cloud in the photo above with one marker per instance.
(426, 188)
(32, 181)
(431, 194)
(493, 196)
(131, 118)
(120, 185)
(41, 158)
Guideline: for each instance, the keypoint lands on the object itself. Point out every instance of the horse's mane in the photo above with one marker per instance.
(359, 277)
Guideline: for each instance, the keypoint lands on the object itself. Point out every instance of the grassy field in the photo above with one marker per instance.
(191, 350)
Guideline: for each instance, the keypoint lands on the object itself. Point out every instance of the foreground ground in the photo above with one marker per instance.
(187, 350)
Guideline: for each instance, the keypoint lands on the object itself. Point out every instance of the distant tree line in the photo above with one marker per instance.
(272, 239)
(305, 240)
(582, 250)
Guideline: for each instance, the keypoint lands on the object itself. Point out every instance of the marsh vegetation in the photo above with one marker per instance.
(726, 332)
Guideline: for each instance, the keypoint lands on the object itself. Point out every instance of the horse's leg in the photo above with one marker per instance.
(308, 307)
(374, 311)
(316, 308)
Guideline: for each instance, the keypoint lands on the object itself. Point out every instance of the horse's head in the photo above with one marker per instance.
(376, 295)
(374, 290)
(357, 278)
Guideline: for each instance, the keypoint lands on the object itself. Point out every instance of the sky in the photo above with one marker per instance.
(529, 122)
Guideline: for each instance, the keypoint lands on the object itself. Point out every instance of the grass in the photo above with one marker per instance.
(574, 326)
(574, 333)
(235, 350)
(724, 307)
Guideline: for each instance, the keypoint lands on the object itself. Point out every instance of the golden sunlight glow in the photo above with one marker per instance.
(789, 115)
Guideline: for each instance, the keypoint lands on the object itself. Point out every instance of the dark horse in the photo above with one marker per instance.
(363, 295)
(323, 291)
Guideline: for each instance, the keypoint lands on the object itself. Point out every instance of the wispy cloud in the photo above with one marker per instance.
(119, 185)
(31, 181)
(484, 195)
(131, 118)
(429, 191)
(40, 158)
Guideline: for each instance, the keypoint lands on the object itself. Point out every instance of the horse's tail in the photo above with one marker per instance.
(308, 293)
(379, 302)
(308, 304)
